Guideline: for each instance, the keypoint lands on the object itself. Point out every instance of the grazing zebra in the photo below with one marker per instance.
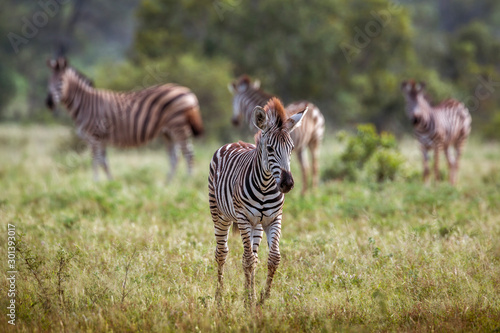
(437, 127)
(126, 119)
(248, 94)
(246, 186)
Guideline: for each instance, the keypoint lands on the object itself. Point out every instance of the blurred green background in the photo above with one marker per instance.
(348, 57)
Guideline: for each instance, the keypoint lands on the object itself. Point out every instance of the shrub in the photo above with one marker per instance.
(366, 155)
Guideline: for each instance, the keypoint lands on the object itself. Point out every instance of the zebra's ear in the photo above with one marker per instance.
(420, 86)
(259, 118)
(51, 63)
(294, 121)
(256, 84)
(231, 88)
(406, 86)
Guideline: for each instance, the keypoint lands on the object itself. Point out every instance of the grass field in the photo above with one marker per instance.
(136, 254)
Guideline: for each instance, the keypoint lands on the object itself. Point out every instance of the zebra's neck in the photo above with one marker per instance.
(263, 177)
(75, 91)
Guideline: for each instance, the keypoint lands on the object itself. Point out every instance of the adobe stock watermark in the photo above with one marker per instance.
(483, 91)
(32, 25)
(154, 75)
(372, 29)
(11, 274)
(224, 6)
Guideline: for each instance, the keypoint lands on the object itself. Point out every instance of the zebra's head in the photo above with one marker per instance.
(274, 142)
(238, 88)
(58, 67)
(60, 70)
(413, 92)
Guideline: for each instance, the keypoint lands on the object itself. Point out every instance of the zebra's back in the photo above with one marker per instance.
(137, 117)
(313, 124)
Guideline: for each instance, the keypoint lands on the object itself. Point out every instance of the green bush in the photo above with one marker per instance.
(385, 164)
(367, 155)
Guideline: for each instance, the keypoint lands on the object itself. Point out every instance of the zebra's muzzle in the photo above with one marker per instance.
(49, 101)
(286, 181)
(235, 121)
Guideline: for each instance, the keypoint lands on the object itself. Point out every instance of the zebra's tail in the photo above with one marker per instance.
(194, 119)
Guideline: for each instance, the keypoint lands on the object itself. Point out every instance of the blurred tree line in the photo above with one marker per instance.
(348, 57)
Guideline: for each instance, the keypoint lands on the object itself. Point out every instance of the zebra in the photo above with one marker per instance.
(437, 127)
(126, 119)
(247, 95)
(246, 187)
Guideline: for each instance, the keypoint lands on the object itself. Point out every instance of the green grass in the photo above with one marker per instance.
(136, 254)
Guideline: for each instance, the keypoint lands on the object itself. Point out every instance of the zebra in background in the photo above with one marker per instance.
(247, 95)
(437, 127)
(126, 119)
(246, 186)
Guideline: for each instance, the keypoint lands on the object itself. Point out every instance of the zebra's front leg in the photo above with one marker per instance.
(221, 229)
(249, 260)
(257, 233)
(436, 163)
(451, 165)
(273, 233)
(425, 155)
(99, 158)
(458, 153)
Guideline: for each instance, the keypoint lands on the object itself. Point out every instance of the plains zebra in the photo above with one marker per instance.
(247, 95)
(246, 186)
(437, 127)
(126, 119)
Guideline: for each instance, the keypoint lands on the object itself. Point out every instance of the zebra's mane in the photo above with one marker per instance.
(276, 115)
(276, 109)
(82, 77)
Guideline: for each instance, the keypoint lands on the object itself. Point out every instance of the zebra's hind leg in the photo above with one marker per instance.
(314, 148)
(301, 154)
(221, 229)
(172, 153)
(436, 163)
(187, 151)
(458, 152)
(273, 232)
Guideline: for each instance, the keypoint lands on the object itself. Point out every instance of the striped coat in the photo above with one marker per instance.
(246, 186)
(309, 135)
(437, 127)
(126, 119)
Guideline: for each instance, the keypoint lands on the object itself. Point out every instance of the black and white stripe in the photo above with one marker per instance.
(246, 186)
(247, 95)
(437, 127)
(126, 119)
